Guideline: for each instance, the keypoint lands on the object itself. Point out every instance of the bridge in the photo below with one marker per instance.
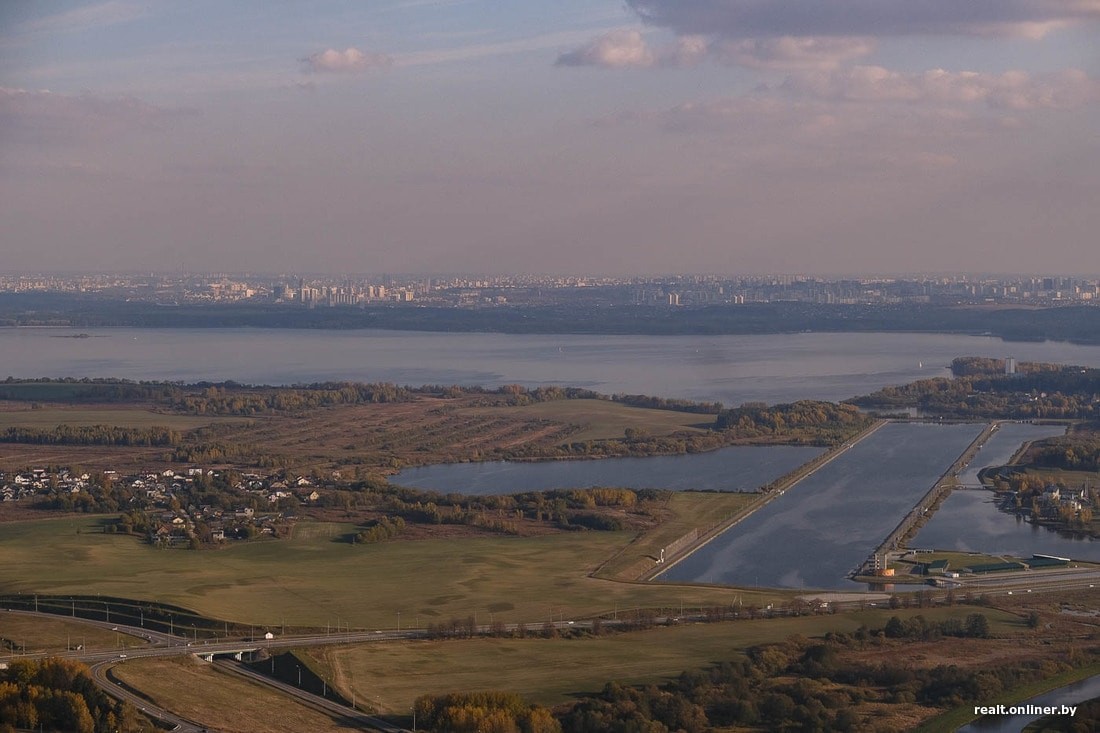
(237, 654)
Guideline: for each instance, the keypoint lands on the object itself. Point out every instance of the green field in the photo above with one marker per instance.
(603, 419)
(78, 417)
(316, 579)
(550, 671)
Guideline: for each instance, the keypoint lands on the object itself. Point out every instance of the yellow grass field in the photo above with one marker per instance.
(313, 579)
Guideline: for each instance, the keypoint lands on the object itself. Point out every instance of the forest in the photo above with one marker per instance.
(980, 390)
(796, 685)
(59, 694)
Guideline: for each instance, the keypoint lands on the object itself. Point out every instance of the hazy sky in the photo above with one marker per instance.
(645, 136)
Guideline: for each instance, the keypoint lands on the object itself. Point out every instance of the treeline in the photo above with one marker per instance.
(807, 421)
(800, 685)
(1044, 391)
(233, 398)
(973, 366)
(1075, 452)
(483, 712)
(975, 626)
(383, 529)
(573, 509)
(59, 694)
(1067, 323)
(91, 435)
(662, 403)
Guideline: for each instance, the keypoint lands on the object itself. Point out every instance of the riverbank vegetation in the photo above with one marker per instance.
(980, 391)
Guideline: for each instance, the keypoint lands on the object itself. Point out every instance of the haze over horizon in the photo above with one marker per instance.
(655, 136)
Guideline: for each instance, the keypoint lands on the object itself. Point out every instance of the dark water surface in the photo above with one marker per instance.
(827, 524)
(727, 469)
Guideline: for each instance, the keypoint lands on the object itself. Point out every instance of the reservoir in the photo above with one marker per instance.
(731, 369)
(970, 521)
(736, 468)
(827, 524)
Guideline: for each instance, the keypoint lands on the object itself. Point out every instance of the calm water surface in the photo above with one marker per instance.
(730, 369)
(970, 520)
(826, 525)
(1003, 444)
(727, 469)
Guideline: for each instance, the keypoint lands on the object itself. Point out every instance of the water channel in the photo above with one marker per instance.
(828, 523)
(970, 521)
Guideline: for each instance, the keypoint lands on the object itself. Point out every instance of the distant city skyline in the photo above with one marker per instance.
(742, 137)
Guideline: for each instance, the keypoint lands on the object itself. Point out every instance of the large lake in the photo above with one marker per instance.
(827, 524)
(971, 521)
(727, 469)
(730, 369)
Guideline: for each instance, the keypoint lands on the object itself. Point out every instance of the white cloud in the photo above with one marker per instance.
(620, 49)
(348, 60)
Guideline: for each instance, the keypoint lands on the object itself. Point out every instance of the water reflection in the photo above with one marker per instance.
(727, 469)
(974, 521)
(826, 525)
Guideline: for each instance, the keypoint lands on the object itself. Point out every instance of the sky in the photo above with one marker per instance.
(610, 137)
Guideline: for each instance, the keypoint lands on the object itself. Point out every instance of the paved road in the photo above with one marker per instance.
(101, 674)
(166, 645)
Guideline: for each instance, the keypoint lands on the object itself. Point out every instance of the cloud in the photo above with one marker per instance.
(620, 49)
(789, 52)
(46, 116)
(737, 19)
(1012, 90)
(347, 61)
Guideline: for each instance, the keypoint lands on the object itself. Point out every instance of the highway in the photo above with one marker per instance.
(166, 645)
